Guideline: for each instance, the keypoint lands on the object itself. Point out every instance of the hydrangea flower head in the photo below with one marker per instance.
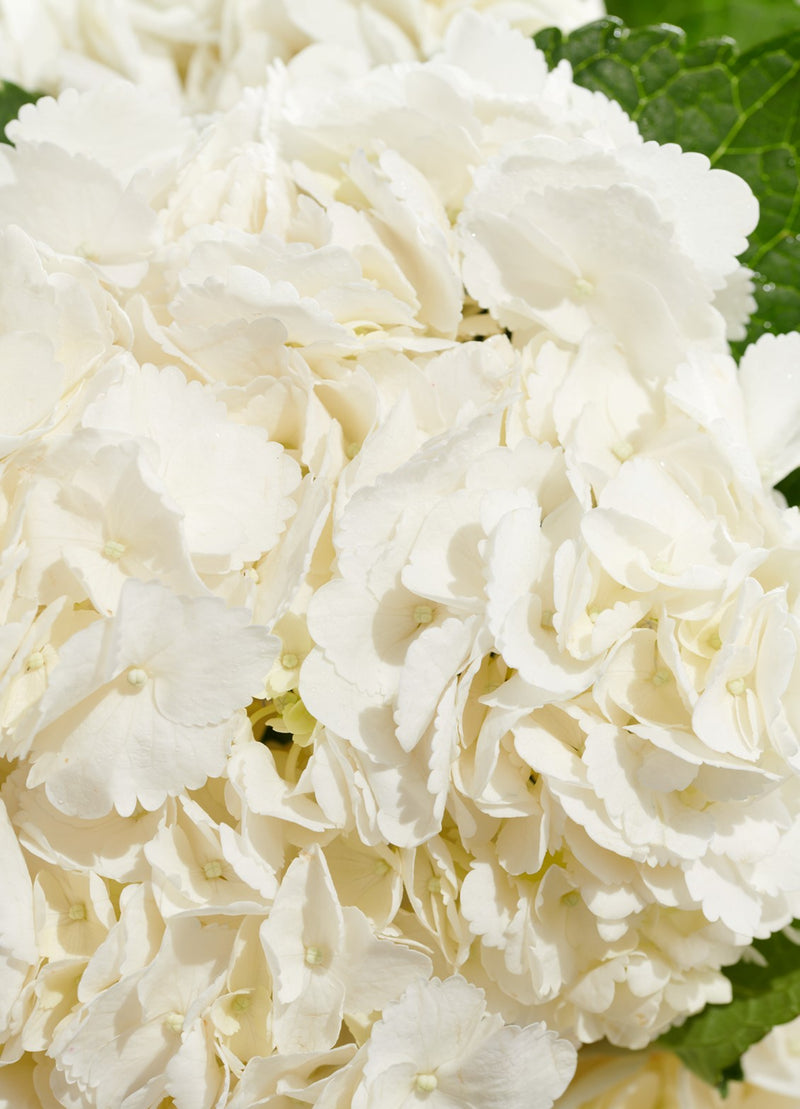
(400, 628)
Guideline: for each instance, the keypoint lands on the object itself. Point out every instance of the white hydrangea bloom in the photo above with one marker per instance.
(391, 579)
(193, 868)
(78, 208)
(110, 846)
(209, 50)
(134, 136)
(165, 675)
(439, 1043)
(162, 1041)
(72, 913)
(116, 522)
(631, 631)
(324, 960)
(773, 1064)
(530, 256)
(214, 469)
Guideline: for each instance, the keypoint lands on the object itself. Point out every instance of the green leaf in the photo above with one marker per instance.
(766, 992)
(742, 110)
(12, 97)
(747, 21)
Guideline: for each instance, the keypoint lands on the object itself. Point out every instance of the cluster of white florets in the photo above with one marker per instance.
(205, 52)
(399, 629)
